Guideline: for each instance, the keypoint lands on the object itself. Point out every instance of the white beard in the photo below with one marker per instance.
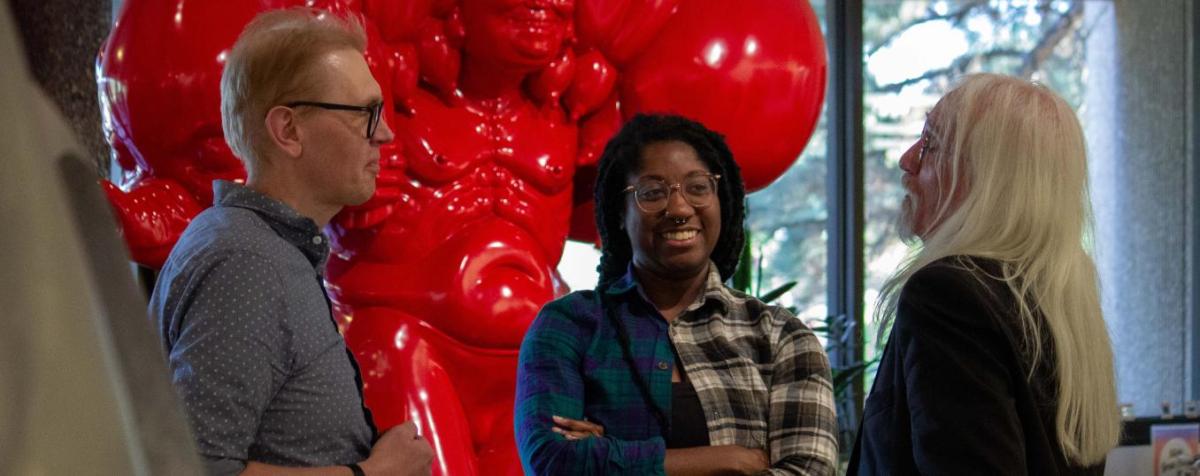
(904, 222)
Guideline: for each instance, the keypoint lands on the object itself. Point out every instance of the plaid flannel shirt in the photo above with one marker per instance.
(762, 377)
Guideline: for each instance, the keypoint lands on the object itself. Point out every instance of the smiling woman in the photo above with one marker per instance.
(672, 234)
(662, 368)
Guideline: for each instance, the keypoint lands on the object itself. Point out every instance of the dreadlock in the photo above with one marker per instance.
(621, 158)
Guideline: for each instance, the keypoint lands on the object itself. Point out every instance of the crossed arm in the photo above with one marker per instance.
(698, 461)
(554, 438)
(549, 383)
(801, 419)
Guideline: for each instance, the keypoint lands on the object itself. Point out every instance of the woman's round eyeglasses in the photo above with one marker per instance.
(653, 195)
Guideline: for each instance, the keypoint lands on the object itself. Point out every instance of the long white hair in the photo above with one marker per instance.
(1020, 150)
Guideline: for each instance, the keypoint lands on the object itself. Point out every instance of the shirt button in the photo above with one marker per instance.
(318, 239)
(662, 365)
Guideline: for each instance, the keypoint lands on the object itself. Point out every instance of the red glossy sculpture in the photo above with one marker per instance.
(159, 77)
(500, 109)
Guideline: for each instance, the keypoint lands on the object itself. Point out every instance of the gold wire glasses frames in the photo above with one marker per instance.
(653, 195)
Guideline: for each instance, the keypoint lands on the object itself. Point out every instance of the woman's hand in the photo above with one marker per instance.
(576, 429)
(724, 460)
(745, 460)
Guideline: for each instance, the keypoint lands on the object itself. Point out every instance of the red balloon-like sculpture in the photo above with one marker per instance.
(500, 108)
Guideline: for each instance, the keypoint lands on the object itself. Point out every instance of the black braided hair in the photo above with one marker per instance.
(622, 157)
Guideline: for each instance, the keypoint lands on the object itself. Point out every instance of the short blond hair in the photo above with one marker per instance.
(271, 63)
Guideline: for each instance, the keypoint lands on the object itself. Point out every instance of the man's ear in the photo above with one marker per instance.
(283, 131)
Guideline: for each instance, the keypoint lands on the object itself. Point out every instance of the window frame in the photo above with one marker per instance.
(846, 199)
(1192, 243)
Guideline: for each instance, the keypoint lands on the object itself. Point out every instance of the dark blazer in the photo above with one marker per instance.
(952, 394)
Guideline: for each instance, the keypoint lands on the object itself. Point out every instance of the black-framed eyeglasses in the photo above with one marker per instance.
(653, 195)
(373, 110)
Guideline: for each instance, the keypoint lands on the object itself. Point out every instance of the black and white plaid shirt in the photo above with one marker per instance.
(762, 377)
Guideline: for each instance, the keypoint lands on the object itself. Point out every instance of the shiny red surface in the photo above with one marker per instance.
(753, 70)
(162, 114)
(500, 109)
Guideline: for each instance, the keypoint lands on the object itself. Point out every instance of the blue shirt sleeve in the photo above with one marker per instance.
(227, 352)
(549, 382)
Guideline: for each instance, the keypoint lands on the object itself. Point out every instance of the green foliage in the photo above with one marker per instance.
(741, 275)
(774, 294)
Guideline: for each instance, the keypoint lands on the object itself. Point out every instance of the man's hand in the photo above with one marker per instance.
(576, 429)
(401, 452)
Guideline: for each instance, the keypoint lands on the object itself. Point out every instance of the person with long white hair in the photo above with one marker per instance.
(998, 360)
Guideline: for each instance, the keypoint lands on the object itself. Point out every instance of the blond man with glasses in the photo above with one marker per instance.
(266, 379)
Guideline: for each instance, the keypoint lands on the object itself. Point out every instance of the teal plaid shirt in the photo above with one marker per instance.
(761, 375)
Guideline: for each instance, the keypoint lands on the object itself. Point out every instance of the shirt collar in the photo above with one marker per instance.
(298, 230)
(626, 283)
(714, 288)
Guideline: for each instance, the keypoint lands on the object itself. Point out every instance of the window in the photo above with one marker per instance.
(912, 52)
(1124, 68)
(1132, 105)
(788, 223)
